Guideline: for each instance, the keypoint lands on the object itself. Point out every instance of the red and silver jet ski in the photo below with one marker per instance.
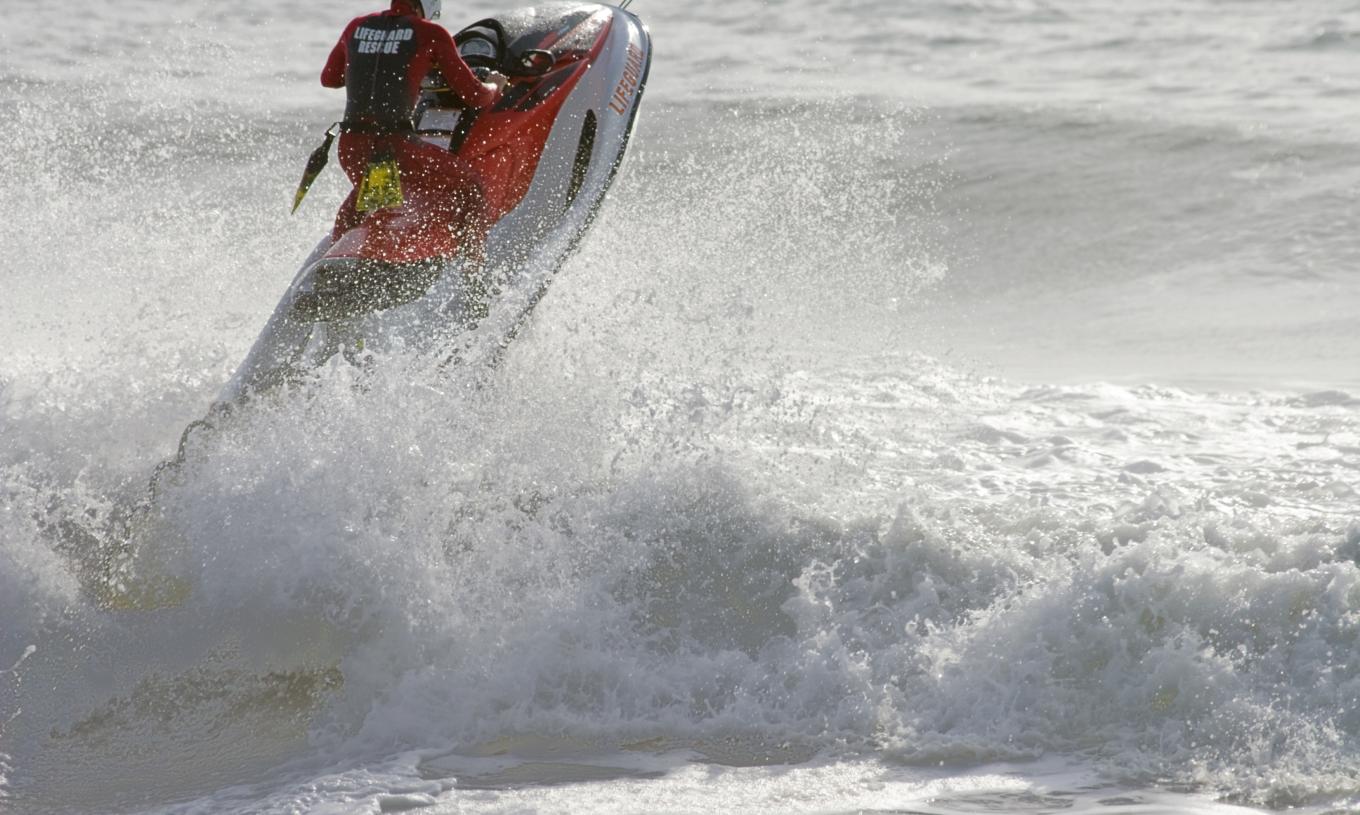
(546, 151)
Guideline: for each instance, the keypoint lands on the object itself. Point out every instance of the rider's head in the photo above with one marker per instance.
(429, 9)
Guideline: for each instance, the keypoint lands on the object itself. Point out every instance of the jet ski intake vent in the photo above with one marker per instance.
(581, 165)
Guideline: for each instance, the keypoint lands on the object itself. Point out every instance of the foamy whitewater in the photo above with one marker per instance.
(955, 409)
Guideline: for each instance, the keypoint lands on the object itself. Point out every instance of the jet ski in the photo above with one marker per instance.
(546, 150)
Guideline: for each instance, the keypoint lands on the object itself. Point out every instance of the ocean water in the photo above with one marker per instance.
(955, 409)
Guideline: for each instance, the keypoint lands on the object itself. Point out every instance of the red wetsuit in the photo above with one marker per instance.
(380, 60)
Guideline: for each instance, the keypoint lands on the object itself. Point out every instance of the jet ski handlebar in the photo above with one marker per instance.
(434, 83)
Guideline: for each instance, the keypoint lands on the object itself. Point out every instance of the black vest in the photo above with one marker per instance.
(380, 53)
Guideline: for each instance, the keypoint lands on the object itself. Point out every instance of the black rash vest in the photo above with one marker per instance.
(379, 55)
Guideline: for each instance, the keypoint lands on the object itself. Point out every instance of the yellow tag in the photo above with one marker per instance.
(380, 187)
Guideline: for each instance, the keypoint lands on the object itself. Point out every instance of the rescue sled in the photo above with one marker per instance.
(546, 151)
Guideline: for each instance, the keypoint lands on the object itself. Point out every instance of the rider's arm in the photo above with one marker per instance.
(456, 72)
(333, 75)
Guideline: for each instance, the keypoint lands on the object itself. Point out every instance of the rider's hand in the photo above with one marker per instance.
(495, 80)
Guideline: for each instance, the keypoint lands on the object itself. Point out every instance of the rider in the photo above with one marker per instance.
(380, 60)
